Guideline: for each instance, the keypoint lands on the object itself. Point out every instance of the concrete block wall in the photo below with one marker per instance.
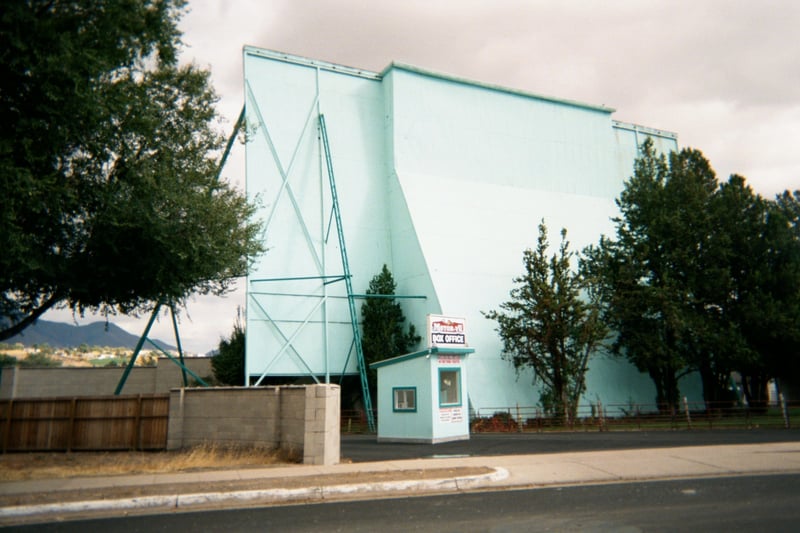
(169, 376)
(302, 420)
(23, 382)
(49, 382)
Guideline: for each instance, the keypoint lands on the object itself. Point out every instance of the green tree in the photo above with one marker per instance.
(647, 275)
(40, 358)
(552, 325)
(108, 164)
(382, 326)
(701, 276)
(228, 363)
(730, 291)
(768, 298)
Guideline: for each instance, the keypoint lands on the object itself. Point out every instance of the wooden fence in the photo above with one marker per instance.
(85, 423)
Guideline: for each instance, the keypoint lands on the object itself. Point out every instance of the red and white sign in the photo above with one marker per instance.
(451, 415)
(447, 332)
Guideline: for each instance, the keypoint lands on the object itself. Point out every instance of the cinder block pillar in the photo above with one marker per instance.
(322, 430)
(175, 423)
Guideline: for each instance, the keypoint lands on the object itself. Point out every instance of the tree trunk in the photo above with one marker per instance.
(754, 387)
(716, 387)
(666, 388)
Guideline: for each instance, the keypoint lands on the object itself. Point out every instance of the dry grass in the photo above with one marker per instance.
(21, 466)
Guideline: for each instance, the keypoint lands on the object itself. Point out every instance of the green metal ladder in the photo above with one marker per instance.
(362, 367)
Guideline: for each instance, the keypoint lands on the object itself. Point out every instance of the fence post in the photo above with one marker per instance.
(71, 434)
(519, 420)
(7, 434)
(688, 415)
(785, 411)
(137, 422)
(601, 415)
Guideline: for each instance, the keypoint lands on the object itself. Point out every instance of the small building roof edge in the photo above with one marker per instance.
(428, 351)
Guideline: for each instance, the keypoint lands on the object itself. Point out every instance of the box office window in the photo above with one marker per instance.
(405, 399)
(449, 387)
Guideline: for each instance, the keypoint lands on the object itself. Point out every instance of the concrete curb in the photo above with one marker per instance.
(184, 501)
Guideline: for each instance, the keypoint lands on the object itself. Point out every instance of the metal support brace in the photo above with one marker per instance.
(136, 350)
(178, 343)
(144, 339)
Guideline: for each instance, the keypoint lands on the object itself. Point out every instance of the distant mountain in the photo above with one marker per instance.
(61, 335)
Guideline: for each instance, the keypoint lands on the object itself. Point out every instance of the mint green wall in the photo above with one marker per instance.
(283, 99)
(409, 373)
(442, 179)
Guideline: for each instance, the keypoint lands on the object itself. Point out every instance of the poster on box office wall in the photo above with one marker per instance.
(446, 332)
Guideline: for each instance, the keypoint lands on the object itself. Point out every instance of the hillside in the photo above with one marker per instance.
(61, 335)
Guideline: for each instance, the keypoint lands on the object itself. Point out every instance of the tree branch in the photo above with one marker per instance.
(20, 326)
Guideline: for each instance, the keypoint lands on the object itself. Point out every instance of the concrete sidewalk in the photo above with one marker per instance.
(47, 500)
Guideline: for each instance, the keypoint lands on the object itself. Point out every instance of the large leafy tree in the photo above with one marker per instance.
(648, 272)
(108, 164)
(552, 325)
(383, 328)
(768, 298)
(731, 288)
(701, 277)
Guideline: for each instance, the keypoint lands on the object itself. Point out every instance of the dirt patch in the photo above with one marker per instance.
(61, 466)
(25, 466)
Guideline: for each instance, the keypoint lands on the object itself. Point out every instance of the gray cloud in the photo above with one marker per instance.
(716, 72)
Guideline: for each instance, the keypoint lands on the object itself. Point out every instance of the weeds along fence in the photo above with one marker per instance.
(616, 417)
(355, 421)
(628, 417)
(85, 423)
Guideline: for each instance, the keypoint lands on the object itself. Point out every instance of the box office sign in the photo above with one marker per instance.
(446, 332)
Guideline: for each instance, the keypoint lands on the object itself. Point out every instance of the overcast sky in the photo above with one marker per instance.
(723, 74)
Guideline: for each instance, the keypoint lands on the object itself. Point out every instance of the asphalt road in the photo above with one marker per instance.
(753, 503)
(364, 448)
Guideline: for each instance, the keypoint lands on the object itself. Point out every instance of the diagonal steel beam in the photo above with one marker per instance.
(288, 341)
(285, 185)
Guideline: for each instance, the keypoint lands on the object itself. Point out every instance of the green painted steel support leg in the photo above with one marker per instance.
(185, 368)
(362, 367)
(178, 343)
(138, 349)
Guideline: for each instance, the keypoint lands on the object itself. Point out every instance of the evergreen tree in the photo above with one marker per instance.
(383, 324)
(228, 363)
(551, 325)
